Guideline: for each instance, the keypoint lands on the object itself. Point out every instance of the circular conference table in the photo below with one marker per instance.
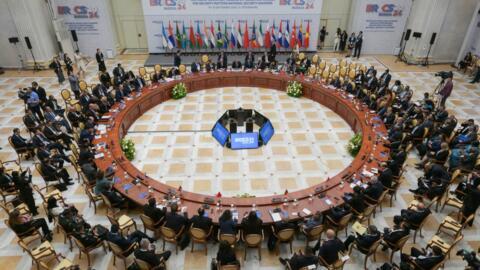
(320, 197)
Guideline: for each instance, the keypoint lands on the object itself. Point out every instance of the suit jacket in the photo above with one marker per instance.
(357, 202)
(99, 57)
(175, 221)
(154, 213)
(329, 250)
(42, 94)
(415, 217)
(227, 227)
(157, 77)
(386, 177)
(119, 72)
(149, 256)
(428, 262)
(40, 140)
(366, 240)
(75, 118)
(99, 91)
(374, 190)
(48, 171)
(31, 121)
(395, 235)
(201, 222)
(177, 61)
(222, 61)
(50, 132)
(42, 154)
(119, 240)
(6, 181)
(442, 155)
(252, 228)
(299, 261)
(18, 141)
(471, 201)
(194, 68)
(282, 225)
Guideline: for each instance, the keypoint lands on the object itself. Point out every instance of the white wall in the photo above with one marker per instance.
(8, 53)
(471, 42)
(126, 10)
(338, 12)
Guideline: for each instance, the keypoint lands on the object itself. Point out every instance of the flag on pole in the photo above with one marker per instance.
(164, 37)
(219, 36)
(254, 36)
(260, 38)
(198, 36)
(184, 37)
(213, 42)
(233, 37)
(273, 37)
(246, 40)
(267, 38)
(225, 36)
(285, 40)
(178, 36)
(239, 36)
(293, 36)
(306, 42)
(171, 38)
(205, 35)
(280, 35)
(191, 36)
(300, 35)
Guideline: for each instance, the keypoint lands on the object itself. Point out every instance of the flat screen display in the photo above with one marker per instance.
(244, 140)
(220, 133)
(266, 132)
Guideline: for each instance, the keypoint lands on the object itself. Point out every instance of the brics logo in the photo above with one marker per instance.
(385, 10)
(307, 4)
(176, 4)
(78, 12)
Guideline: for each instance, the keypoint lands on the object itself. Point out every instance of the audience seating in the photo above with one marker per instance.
(27, 237)
(367, 252)
(43, 253)
(313, 234)
(124, 222)
(122, 254)
(341, 225)
(148, 224)
(200, 236)
(252, 241)
(87, 250)
(283, 236)
(398, 246)
(170, 236)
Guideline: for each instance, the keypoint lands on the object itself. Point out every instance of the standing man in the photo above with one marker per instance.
(33, 103)
(177, 61)
(446, 91)
(358, 45)
(100, 60)
(323, 34)
(57, 68)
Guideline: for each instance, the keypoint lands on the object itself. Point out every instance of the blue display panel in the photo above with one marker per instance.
(266, 132)
(244, 140)
(220, 133)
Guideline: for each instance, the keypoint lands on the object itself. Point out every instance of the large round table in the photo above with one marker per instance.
(319, 197)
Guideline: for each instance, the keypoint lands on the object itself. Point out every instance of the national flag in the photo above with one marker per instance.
(260, 38)
(233, 37)
(205, 35)
(213, 42)
(300, 35)
(293, 36)
(171, 38)
(198, 36)
(191, 36)
(225, 36)
(273, 35)
(306, 41)
(178, 36)
(246, 40)
(239, 36)
(267, 42)
(184, 36)
(219, 36)
(253, 40)
(164, 37)
(285, 40)
(280, 35)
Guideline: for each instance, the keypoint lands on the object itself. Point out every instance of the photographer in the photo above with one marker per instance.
(471, 258)
(446, 91)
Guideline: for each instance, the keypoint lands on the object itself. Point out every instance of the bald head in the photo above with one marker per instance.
(144, 243)
(330, 234)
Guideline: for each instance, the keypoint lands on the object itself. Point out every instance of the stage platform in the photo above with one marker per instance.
(166, 59)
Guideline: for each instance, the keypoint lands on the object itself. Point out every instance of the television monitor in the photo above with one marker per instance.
(266, 132)
(244, 140)
(220, 133)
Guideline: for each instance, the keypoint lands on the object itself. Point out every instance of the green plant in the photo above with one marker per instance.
(245, 195)
(294, 89)
(179, 91)
(128, 148)
(355, 144)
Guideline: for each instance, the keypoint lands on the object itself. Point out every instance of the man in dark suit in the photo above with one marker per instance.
(415, 216)
(100, 91)
(52, 172)
(357, 201)
(358, 45)
(249, 60)
(194, 67)
(330, 248)
(425, 260)
(200, 221)
(39, 139)
(366, 240)
(338, 212)
(471, 201)
(6, 181)
(177, 61)
(125, 242)
(385, 176)
(222, 62)
(42, 94)
(152, 211)
(119, 73)
(100, 60)
(31, 121)
(20, 142)
(173, 220)
(146, 253)
(374, 190)
(399, 231)
(300, 260)
(158, 76)
(385, 78)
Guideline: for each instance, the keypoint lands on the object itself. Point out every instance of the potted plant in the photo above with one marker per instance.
(179, 91)
(294, 89)
(128, 148)
(354, 145)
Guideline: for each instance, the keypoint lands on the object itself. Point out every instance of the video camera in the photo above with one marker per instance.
(444, 74)
(470, 257)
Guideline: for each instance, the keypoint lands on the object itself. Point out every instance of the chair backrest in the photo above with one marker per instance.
(401, 242)
(167, 232)
(117, 251)
(230, 238)
(332, 68)
(312, 70)
(182, 69)
(322, 65)
(253, 240)
(343, 63)
(83, 85)
(106, 201)
(316, 231)
(147, 221)
(286, 234)
(78, 242)
(37, 189)
(157, 68)
(198, 234)
(325, 74)
(38, 167)
(112, 219)
(66, 95)
(315, 59)
(143, 265)
(344, 220)
(229, 267)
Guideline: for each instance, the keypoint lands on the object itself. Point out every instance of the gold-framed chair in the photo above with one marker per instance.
(332, 68)
(252, 241)
(28, 236)
(169, 235)
(199, 236)
(124, 222)
(337, 265)
(342, 224)
(313, 234)
(48, 184)
(87, 250)
(343, 63)
(120, 253)
(315, 59)
(283, 236)
(182, 69)
(312, 71)
(366, 214)
(143, 265)
(20, 151)
(367, 252)
(149, 224)
(157, 68)
(92, 198)
(449, 224)
(67, 98)
(42, 255)
(322, 65)
(397, 246)
(443, 245)
(142, 71)
(231, 239)
(418, 227)
(45, 196)
(351, 74)
(83, 85)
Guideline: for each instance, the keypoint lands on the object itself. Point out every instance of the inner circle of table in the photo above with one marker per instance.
(331, 190)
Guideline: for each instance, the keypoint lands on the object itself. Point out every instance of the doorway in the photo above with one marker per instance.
(331, 26)
(134, 33)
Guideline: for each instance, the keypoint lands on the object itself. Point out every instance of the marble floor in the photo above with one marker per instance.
(463, 103)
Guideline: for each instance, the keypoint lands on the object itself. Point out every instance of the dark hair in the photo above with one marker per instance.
(201, 211)
(152, 202)
(174, 207)
(114, 228)
(100, 174)
(51, 202)
(226, 215)
(437, 251)
(252, 216)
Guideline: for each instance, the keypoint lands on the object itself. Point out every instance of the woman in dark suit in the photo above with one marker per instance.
(252, 224)
(227, 224)
(21, 224)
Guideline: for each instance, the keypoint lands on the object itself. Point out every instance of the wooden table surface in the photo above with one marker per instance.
(313, 198)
